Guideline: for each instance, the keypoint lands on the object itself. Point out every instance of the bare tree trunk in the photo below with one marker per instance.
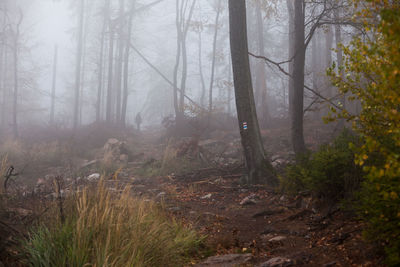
(3, 69)
(210, 101)
(110, 74)
(126, 68)
(315, 70)
(185, 28)
(53, 86)
(118, 68)
(290, 8)
(328, 59)
(261, 83)
(298, 78)
(203, 84)
(258, 167)
(101, 59)
(178, 23)
(78, 64)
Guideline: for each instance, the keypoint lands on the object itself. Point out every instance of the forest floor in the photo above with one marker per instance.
(255, 221)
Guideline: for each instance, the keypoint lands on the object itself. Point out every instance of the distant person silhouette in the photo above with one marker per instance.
(138, 121)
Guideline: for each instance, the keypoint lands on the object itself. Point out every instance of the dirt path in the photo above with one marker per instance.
(265, 224)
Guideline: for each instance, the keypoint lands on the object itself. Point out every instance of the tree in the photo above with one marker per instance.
(78, 63)
(298, 80)
(372, 67)
(259, 169)
(261, 83)
(214, 52)
(125, 93)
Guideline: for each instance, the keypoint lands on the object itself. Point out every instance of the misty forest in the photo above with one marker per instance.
(199, 133)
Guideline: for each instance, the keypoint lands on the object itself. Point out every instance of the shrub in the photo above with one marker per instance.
(103, 229)
(330, 173)
(373, 78)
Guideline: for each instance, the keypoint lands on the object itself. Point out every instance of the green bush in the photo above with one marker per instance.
(329, 173)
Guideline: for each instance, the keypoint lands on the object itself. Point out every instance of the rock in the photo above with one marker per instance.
(93, 177)
(208, 196)
(229, 260)
(277, 262)
(278, 238)
(330, 264)
(115, 151)
(250, 200)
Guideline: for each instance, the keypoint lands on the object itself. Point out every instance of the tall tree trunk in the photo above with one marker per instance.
(126, 67)
(291, 46)
(119, 66)
(328, 59)
(101, 60)
(3, 69)
(15, 98)
(178, 116)
(53, 85)
(315, 70)
(78, 64)
(185, 29)
(110, 75)
(259, 169)
(203, 84)
(261, 83)
(214, 51)
(298, 78)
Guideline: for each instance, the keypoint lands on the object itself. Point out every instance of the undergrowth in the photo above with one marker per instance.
(102, 229)
(329, 173)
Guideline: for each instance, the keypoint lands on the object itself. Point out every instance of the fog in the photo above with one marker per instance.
(156, 65)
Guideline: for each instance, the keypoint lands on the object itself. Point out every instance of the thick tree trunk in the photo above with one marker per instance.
(214, 52)
(258, 167)
(298, 78)
(78, 64)
(53, 86)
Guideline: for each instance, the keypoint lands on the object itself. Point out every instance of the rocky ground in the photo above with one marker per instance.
(244, 225)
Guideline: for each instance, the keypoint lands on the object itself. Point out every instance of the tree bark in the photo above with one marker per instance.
(298, 78)
(259, 169)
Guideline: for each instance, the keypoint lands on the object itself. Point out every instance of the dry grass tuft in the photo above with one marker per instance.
(104, 229)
